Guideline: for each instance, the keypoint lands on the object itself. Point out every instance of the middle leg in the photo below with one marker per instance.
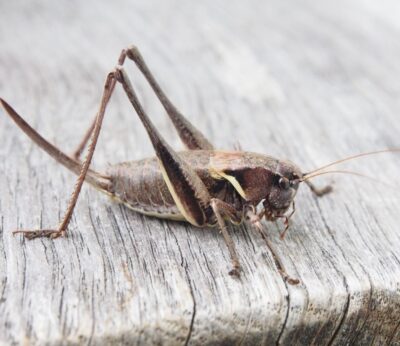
(221, 208)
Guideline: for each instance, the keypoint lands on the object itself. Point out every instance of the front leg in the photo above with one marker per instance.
(319, 192)
(255, 220)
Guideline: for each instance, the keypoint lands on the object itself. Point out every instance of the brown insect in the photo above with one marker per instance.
(202, 186)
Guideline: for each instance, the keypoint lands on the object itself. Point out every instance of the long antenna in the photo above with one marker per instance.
(354, 157)
(313, 175)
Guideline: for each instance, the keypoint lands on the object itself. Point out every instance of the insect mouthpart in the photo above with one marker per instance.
(280, 197)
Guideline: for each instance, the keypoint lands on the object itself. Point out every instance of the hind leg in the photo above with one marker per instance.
(82, 144)
(189, 134)
(62, 228)
(187, 189)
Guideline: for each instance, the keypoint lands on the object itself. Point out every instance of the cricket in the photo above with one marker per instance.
(203, 186)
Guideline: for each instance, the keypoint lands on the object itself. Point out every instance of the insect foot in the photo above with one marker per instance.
(289, 279)
(235, 271)
(40, 233)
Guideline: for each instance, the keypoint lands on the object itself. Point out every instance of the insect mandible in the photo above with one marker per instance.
(202, 185)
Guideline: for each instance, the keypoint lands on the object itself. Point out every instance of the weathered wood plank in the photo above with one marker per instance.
(312, 82)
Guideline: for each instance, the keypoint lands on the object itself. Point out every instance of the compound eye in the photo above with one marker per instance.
(284, 183)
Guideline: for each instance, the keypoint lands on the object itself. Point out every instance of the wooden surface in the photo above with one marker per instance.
(311, 81)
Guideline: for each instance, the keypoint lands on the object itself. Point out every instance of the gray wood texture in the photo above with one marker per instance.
(311, 81)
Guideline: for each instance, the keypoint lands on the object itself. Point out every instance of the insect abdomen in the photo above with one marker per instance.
(140, 184)
(141, 187)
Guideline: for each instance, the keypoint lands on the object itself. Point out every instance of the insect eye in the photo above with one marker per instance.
(284, 183)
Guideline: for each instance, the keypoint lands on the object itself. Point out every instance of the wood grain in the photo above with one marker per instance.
(308, 81)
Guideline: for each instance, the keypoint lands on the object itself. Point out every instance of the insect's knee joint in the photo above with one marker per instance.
(132, 51)
(119, 73)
